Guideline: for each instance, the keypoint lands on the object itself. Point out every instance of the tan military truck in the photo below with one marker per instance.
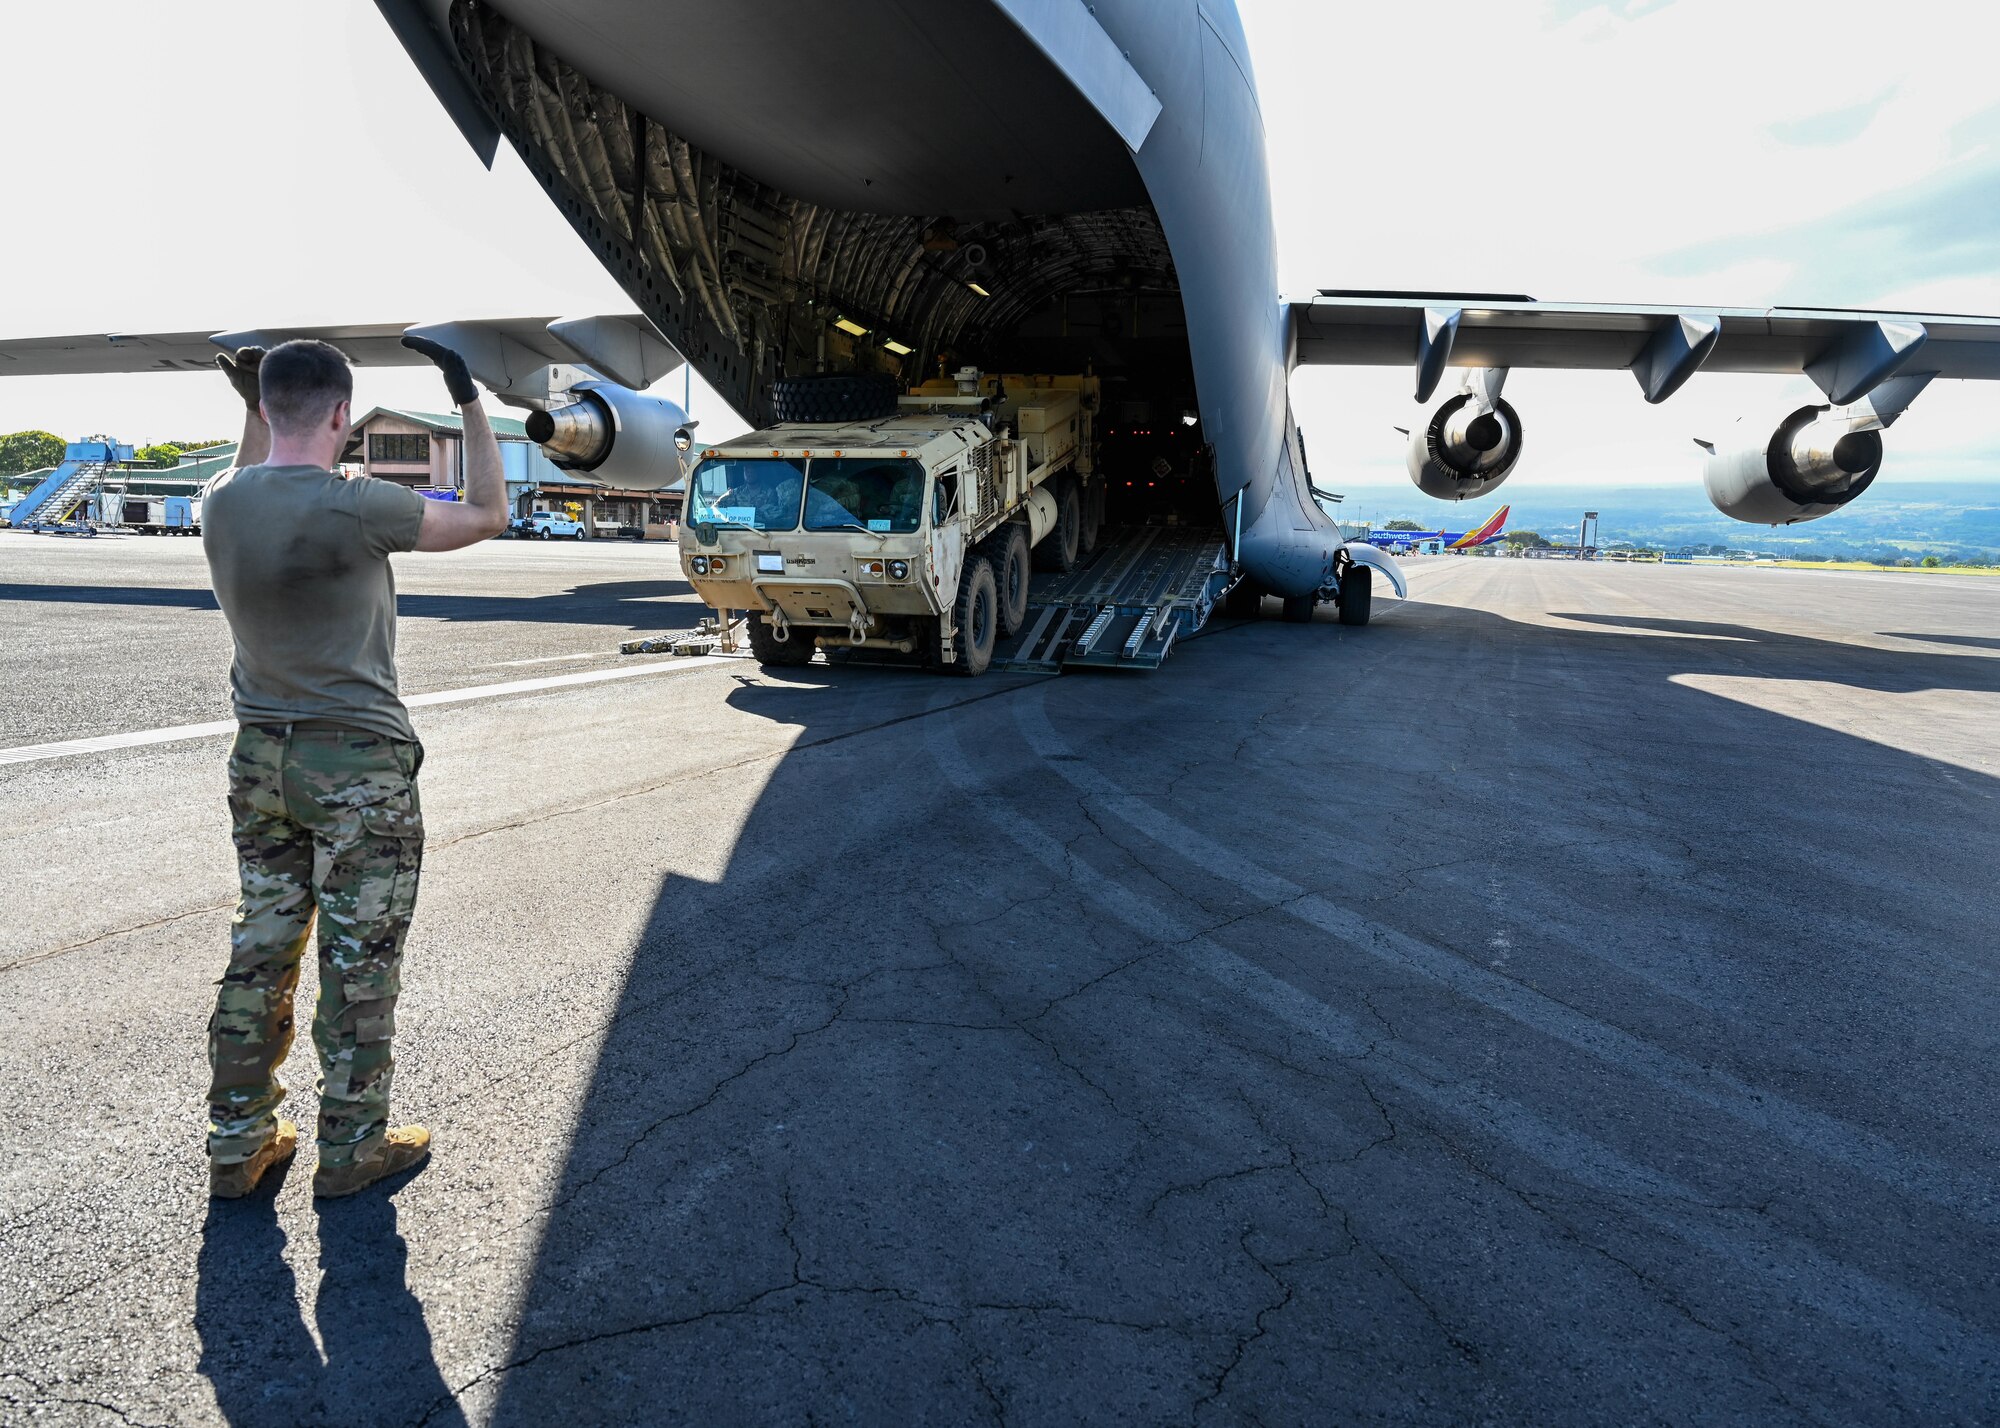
(914, 531)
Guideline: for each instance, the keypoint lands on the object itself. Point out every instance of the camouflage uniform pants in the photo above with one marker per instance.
(326, 822)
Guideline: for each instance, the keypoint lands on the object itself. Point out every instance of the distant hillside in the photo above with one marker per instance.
(1891, 519)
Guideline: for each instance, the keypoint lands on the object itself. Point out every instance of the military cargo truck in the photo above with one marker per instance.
(867, 521)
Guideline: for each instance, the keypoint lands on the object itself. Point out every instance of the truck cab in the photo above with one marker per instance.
(911, 531)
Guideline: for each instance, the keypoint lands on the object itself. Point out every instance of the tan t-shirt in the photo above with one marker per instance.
(300, 563)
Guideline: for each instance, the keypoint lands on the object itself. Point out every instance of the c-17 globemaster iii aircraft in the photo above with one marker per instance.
(835, 210)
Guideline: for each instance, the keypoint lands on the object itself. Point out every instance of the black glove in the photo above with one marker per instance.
(242, 373)
(464, 391)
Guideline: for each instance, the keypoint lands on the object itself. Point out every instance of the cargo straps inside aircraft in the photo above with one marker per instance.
(1140, 591)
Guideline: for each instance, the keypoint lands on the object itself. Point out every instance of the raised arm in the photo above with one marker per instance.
(242, 372)
(481, 513)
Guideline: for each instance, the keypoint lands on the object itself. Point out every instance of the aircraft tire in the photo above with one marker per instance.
(1357, 594)
(834, 396)
(779, 654)
(1244, 601)
(1061, 548)
(977, 616)
(1012, 568)
(1299, 609)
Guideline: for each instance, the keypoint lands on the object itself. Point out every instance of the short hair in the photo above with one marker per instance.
(301, 381)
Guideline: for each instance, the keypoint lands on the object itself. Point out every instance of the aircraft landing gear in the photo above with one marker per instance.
(1357, 594)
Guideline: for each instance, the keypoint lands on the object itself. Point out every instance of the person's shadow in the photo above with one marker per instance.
(373, 1361)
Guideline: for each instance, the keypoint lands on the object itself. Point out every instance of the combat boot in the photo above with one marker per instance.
(234, 1181)
(395, 1152)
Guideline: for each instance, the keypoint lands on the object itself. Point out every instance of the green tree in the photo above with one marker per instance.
(166, 453)
(1402, 526)
(1930, 562)
(29, 451)
(1527, 538)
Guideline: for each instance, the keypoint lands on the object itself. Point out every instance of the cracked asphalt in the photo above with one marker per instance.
(1570, 1000)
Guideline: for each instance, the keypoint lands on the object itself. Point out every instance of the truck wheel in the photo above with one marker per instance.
(1243, 602)
(545, 534)
(834, 396)
(1357, 593)
(1011, 569)
(1059, 548)
(1092, 506)
(781, 654)
(977, 615)
(1299, 609)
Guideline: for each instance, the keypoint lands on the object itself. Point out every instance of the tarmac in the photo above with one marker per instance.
(1569, 1000)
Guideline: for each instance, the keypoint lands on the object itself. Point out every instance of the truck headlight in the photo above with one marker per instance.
(899, 570)
(698, 565)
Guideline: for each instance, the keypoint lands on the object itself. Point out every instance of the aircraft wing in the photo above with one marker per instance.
(1847, 353)
(506, 354)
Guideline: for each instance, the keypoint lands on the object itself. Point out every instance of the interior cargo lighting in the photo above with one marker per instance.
(896, 347)
(978, 289)
(1189, 418)
(850, 327)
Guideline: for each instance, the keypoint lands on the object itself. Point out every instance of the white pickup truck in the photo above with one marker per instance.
(547, 525)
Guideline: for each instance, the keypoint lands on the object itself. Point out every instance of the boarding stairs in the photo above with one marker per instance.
(61, 495)
(1142, 589)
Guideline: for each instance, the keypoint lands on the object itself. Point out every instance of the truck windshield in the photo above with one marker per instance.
(884, 496)
(759, 493)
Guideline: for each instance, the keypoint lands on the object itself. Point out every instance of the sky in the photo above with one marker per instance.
(1708, 152)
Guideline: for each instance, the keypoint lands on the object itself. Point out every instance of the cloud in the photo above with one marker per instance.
(1945, 225)
(1834, 126)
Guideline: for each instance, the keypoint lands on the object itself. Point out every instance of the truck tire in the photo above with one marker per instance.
(977, 615)
(834, 396)
(780, 654)
(1061, 548)
(1244, 601)
(1357, 594)
(1012, 568)
(1092, 506)
(1299, 609)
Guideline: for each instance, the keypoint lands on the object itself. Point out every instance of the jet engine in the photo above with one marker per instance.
(1810, 466)
(1469, 445)
(622, 437)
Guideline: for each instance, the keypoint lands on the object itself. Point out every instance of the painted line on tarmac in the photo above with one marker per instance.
(140, 738)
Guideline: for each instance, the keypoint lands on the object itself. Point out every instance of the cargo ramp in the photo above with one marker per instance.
(1142, 589)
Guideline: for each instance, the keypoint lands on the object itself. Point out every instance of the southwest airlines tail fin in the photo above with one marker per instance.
(1488, 532)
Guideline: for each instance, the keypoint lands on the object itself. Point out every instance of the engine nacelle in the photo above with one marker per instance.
(624, 438)
(1811, 466)
(1466, 448)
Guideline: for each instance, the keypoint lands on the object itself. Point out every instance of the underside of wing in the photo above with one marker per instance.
(507, 354)
(1847, 353)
